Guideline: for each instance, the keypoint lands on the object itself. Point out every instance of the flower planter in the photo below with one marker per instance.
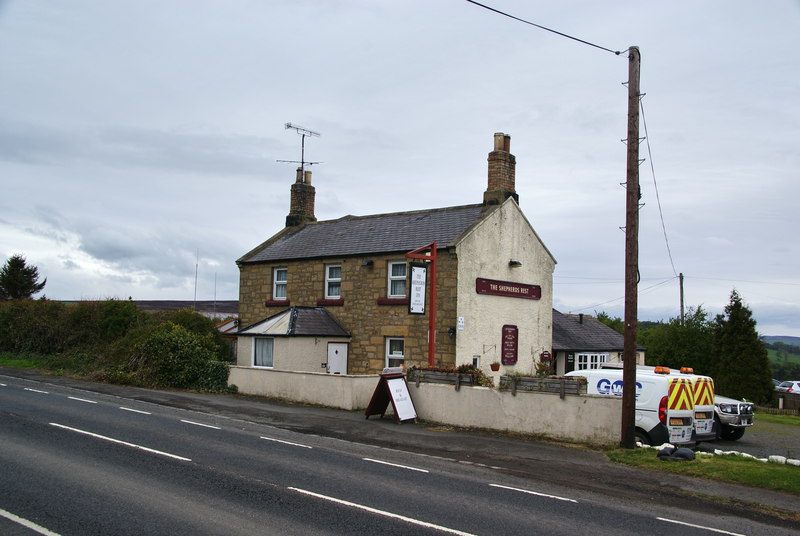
(558, 385)
(453, 378)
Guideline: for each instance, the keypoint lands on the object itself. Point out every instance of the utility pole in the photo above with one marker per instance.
(628, 429)
(680, 277)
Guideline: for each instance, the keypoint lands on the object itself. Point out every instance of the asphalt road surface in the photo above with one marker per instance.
(77, 462)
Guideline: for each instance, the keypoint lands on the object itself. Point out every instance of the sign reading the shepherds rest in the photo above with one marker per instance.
(419, 276)
(507, 288)
(510, 345)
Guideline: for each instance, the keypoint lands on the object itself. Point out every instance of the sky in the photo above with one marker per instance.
(139, 140)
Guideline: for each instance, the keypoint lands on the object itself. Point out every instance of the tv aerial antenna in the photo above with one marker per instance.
(303, 132)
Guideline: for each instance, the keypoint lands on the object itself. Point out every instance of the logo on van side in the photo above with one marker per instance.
(605, 387)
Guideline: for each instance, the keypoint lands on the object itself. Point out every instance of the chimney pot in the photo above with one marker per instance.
(499, 141)
(299, 175)
(307, 179)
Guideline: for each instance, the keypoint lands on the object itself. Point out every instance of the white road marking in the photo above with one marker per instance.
(201, 424)
(410, 520)
(286, 442)
(120, 442)
(36, 391)
(396, 465)
(720, 531)
(556, 497)
(135, 410)
(82, 400)
(28, 524)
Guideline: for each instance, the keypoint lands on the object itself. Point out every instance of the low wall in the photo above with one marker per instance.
(332, 390)
(576, 418)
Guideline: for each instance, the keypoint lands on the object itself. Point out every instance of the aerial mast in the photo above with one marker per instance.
(303, 132)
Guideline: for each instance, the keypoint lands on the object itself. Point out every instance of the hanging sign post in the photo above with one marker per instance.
(392, 387)
(430, 257)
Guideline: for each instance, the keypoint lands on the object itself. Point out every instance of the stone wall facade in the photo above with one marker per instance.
(364, 310)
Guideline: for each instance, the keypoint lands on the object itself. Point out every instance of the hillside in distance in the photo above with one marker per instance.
(785, 339)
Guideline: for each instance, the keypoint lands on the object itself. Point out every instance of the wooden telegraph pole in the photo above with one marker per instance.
(628, 430)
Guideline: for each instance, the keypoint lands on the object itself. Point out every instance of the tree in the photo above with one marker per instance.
(742, 365)
(674, 345)
(614, 323)
(19, 281)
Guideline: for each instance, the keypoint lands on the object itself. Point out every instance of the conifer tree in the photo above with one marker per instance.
(742, 367)
(19, 281)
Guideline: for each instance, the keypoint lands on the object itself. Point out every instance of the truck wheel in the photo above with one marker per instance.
(642, 438)
(730, 433)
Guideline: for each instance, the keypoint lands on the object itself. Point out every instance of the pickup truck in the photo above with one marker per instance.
(732, 417)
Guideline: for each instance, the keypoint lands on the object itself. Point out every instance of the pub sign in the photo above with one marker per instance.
(509, 345)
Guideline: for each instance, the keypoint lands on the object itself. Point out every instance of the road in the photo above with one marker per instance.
(76, 462)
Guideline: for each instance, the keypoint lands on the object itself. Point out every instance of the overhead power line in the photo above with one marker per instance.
(617, 52)
(655, 184)
(641, 291)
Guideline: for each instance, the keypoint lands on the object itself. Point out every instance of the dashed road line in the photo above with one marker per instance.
(286, 442)
(201, 424)
(396, 465)
(135, 410)
(718, 531)
(28, 524)
(120, 442)
(36, 391)
(384, 513)
(82, 400)
(556, 497)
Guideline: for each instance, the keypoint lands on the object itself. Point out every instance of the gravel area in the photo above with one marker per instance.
(765, 439)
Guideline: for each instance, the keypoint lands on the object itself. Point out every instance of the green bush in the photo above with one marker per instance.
(32, 326)
(172, 356)
(199, 325)
(115, 342)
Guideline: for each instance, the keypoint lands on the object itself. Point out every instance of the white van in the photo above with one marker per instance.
(664, 403)
(703, 397)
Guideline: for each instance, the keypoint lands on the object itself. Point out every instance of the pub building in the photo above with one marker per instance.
(358, 294)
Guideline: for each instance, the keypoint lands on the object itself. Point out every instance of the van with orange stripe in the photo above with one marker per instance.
(703, 392)
(664, 403)
(703, 396)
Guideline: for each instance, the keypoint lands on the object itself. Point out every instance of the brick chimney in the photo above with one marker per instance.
(301, 206)
(501, 172)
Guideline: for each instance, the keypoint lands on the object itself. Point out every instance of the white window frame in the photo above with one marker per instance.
(333, 282)
(395, 359)
(391, 278)
(278, 283)
(590, 360)
(271, 344)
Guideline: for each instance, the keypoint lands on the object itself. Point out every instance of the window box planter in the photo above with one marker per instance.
(452, 377)
(558, 385)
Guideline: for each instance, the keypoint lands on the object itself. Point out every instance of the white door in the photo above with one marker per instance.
(337, 357)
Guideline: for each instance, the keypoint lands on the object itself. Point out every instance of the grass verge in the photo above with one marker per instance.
(734, 469)
(20, 361)
(791, 420)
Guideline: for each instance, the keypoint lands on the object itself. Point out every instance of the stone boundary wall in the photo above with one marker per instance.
(575, 418)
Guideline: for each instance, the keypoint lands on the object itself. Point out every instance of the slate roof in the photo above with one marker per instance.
(570, 334)
(298, 322)
(362, 235)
